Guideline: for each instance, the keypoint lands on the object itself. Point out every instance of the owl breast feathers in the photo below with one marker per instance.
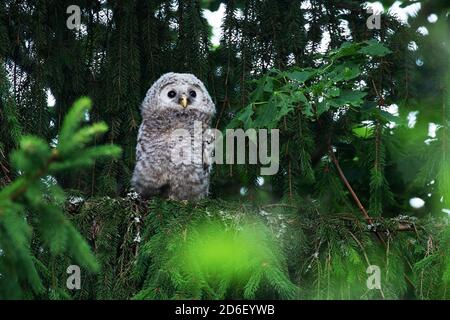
(170, 159)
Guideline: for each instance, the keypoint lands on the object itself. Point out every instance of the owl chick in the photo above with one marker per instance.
(176, 101)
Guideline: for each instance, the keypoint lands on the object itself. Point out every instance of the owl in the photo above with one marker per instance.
(174, 147)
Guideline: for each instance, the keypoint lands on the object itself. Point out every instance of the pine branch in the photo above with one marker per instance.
(29, 203)
(39, 174)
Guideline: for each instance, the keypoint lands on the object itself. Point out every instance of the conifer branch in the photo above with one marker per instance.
(39, 174)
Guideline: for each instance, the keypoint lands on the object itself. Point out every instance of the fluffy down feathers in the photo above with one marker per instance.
(169, 163)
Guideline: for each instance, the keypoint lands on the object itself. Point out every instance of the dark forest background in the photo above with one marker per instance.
(347, 160)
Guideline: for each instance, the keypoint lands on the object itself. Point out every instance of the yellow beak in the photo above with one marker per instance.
(183, 101)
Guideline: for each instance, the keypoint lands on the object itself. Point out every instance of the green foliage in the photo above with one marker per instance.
(311, 91)
(308, 98)
(223, 249)
(433, 270)
(217, 255)
(30, 207)
(112, 228)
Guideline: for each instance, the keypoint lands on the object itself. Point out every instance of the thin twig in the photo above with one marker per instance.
(365, 257)
(349, 187)
(279, 205)
(355, 197)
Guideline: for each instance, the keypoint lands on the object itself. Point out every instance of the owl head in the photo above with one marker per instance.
(182, 92)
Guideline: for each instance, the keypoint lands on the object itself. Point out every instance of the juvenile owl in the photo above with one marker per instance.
(173, 153)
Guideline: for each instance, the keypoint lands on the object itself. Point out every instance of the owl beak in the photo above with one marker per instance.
(183, 101)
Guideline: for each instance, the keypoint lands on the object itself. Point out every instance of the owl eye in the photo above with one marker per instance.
(171, 94)
(193, 94)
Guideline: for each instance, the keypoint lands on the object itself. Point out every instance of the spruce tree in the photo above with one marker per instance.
(343, 96)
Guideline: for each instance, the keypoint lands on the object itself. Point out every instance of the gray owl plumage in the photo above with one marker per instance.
(175, 101)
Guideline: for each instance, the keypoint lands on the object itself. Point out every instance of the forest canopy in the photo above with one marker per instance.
(364, 173)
